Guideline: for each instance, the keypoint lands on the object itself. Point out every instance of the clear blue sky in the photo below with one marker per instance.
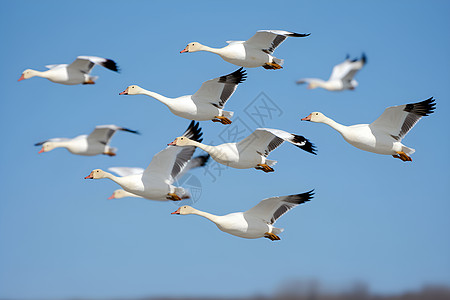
(374, 218)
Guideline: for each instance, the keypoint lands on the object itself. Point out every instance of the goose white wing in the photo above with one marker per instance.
(218, 90)
(271, 209)
(269, 40)
(265, 140)
(171, 161)
(340, 70)
(196, 162)
(397, 121)
(86, 63)
(104, 133)
(126, 171)
(346, 70)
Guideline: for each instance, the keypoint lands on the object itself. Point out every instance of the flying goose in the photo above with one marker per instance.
(255, 52)
(384, 135)
(75, 73)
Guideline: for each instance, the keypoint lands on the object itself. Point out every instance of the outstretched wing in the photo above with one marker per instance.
(218, 90)
(168, 163)
(271, 209)
(196, 162)
(104, 133)
(86, 63)
(397, 121)
(346, 70)
(269, 40)
(265, 140)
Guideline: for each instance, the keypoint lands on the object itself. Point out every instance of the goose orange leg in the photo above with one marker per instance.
(223, 120)
(110, 153)
(89, 82)
(264, 167)
(271, 236)
(272, 66)
(402, 155)
(172, 196)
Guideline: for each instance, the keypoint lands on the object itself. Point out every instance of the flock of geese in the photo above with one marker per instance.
(156, 182)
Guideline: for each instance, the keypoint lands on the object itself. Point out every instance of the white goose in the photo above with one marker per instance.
(198, 161)
(341, 77)
(97, 142)
(156, 181)
(252, 151)
(384, 135)
(206, 104)
(75, 73)
(256, 222)
(255, 52)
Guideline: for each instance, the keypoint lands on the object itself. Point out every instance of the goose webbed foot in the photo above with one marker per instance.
(264, 167)
(271, 236)
(402, 155)
(272, 66)
(223, 120)
(109, 153)
(173, 197)
(89, 82)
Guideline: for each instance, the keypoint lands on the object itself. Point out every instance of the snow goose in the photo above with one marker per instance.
(256, 222)
(206, 104)
(255, 52)
(97, 142)
(75, 73)
(156, 181)
(384, 135)
(341, 77)
(252, 151)
(198, 161)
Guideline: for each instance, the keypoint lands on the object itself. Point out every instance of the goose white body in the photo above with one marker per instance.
(384, 135)
(251, 151)
(256, 222)
(255, 52)
(156, 181)
(206, 104)
(78, 72)
(97, 142)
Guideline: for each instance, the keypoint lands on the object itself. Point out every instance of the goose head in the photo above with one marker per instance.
(96, 174)
(48, 146)
(317, 117)
(184, 210)
(117, 194)
(132, 90)
(181, 141)
(192, 47)
(28, 73)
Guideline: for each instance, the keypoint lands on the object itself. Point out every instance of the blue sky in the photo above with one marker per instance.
(373, 219)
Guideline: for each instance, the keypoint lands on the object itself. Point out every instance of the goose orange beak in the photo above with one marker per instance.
(89, 176)
(124, 92)
(110, 197)
(21, 78)
(177, 212)
(174, 143)
(184, 50)
(40, 151)
(308, 118)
